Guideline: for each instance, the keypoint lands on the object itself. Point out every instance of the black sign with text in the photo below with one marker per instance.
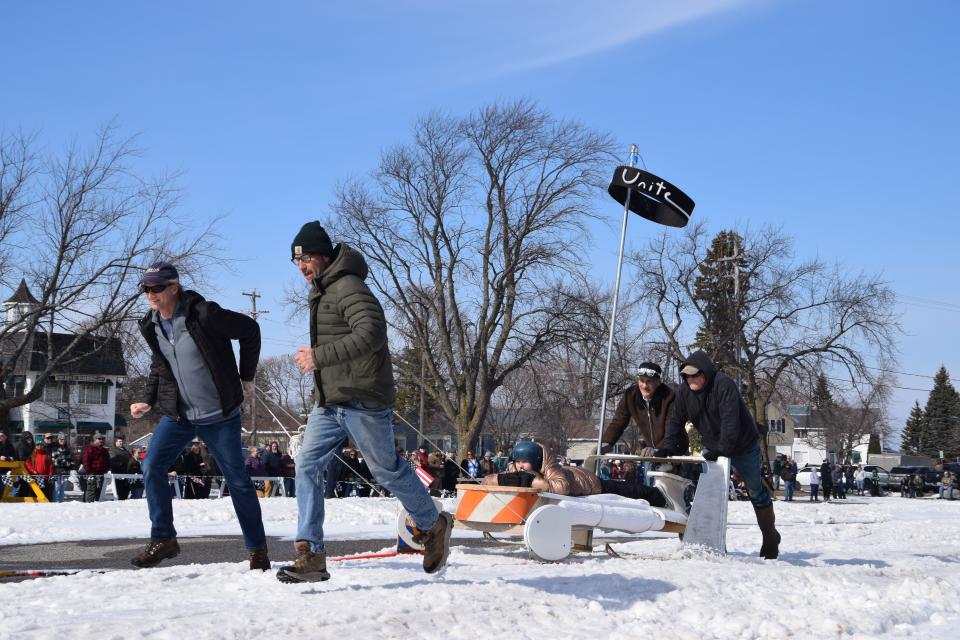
(651, 197)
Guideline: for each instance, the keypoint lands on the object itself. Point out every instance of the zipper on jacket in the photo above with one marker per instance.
(650, 425)
(186, 396)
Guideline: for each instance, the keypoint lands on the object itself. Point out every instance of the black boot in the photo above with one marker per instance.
(770, 547)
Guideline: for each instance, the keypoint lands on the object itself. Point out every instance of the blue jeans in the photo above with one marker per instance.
(788, 489)
(59, 488)
(223, 438)
(747, 465)
(371, 429)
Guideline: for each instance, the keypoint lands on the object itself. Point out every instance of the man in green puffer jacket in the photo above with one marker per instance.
(353, 393)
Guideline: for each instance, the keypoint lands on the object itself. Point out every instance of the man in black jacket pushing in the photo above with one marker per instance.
(711, 401)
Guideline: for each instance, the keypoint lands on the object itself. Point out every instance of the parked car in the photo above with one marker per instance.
(929, 474)
(803, 475)
(953, 467)
(931, 478)
(883, 476)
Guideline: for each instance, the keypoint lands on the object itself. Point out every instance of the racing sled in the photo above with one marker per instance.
(554, 525)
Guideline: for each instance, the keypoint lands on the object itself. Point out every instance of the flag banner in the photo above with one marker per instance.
(425, 477)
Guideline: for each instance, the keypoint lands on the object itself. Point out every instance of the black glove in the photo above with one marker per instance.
(662, 453)
(508, 479)
(515, 479)
(605, 448)
(710, 456)
(526, 478)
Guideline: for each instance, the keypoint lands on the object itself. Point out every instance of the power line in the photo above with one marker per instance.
(892, 386)
(928, 303)
(904, 373)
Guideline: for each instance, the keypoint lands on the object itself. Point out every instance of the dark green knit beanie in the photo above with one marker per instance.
(311, 239)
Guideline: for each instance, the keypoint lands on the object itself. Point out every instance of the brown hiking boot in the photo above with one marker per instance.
(156, 551)
(259, 559)
(436, 543)
(308, 567)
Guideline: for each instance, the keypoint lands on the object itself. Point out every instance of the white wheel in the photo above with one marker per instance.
(547, 533)
(405, 530)
(405, 525)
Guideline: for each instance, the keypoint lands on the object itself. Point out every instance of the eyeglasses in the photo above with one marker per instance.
(303, 258)
(157, 288)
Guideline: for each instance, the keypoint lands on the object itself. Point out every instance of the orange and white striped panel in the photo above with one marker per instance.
(495, 507)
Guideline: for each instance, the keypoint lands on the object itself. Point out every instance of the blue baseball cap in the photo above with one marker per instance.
(160, 273)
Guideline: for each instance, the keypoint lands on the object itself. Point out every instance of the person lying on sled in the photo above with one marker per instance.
(533, 465)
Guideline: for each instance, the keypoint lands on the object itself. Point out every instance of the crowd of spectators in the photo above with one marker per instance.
(54, 466)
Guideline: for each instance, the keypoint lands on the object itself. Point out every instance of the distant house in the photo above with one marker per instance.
(781, 430)
(80, 396)
(808, 445)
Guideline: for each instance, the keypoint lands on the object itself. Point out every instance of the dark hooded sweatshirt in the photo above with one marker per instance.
(717, 411)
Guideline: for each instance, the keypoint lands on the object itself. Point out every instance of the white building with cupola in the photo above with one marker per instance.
(80, 395)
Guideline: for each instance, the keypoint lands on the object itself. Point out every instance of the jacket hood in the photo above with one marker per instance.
(346, 261)
(701, 361)
(547, 456)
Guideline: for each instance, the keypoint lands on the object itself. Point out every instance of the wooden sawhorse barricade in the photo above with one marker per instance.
(17, 469)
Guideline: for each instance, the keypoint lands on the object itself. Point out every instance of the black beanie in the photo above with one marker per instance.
(311, 239)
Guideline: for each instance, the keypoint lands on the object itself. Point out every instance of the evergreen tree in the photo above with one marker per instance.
(942, 418)
(874, 446)
(822, 396)
(911, 438)
(823, 406)
(720, 289)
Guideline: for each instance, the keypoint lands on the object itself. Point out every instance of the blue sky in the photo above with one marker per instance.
(836, 120)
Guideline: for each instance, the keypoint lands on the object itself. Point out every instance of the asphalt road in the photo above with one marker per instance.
(116, 554)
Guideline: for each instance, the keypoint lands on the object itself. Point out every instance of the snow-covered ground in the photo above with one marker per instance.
(864, 568)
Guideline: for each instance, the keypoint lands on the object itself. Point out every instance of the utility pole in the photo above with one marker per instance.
(735, 259)
(254, 313)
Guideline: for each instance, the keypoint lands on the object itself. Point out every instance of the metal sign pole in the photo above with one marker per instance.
(613, 313)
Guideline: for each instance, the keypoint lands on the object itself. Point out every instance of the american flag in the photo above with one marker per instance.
(425, 477)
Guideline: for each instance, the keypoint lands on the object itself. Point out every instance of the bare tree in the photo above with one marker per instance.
(282, 381)
(86, 226)
(798, 317)
(18, 166)
(556, 396)
(471, 231)
(853, 422)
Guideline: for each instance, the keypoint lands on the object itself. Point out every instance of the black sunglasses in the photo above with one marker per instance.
(157, 288)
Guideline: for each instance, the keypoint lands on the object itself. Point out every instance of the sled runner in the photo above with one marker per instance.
(553, 525)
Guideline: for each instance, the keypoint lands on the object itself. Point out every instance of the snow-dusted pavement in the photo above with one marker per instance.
(867, 568)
